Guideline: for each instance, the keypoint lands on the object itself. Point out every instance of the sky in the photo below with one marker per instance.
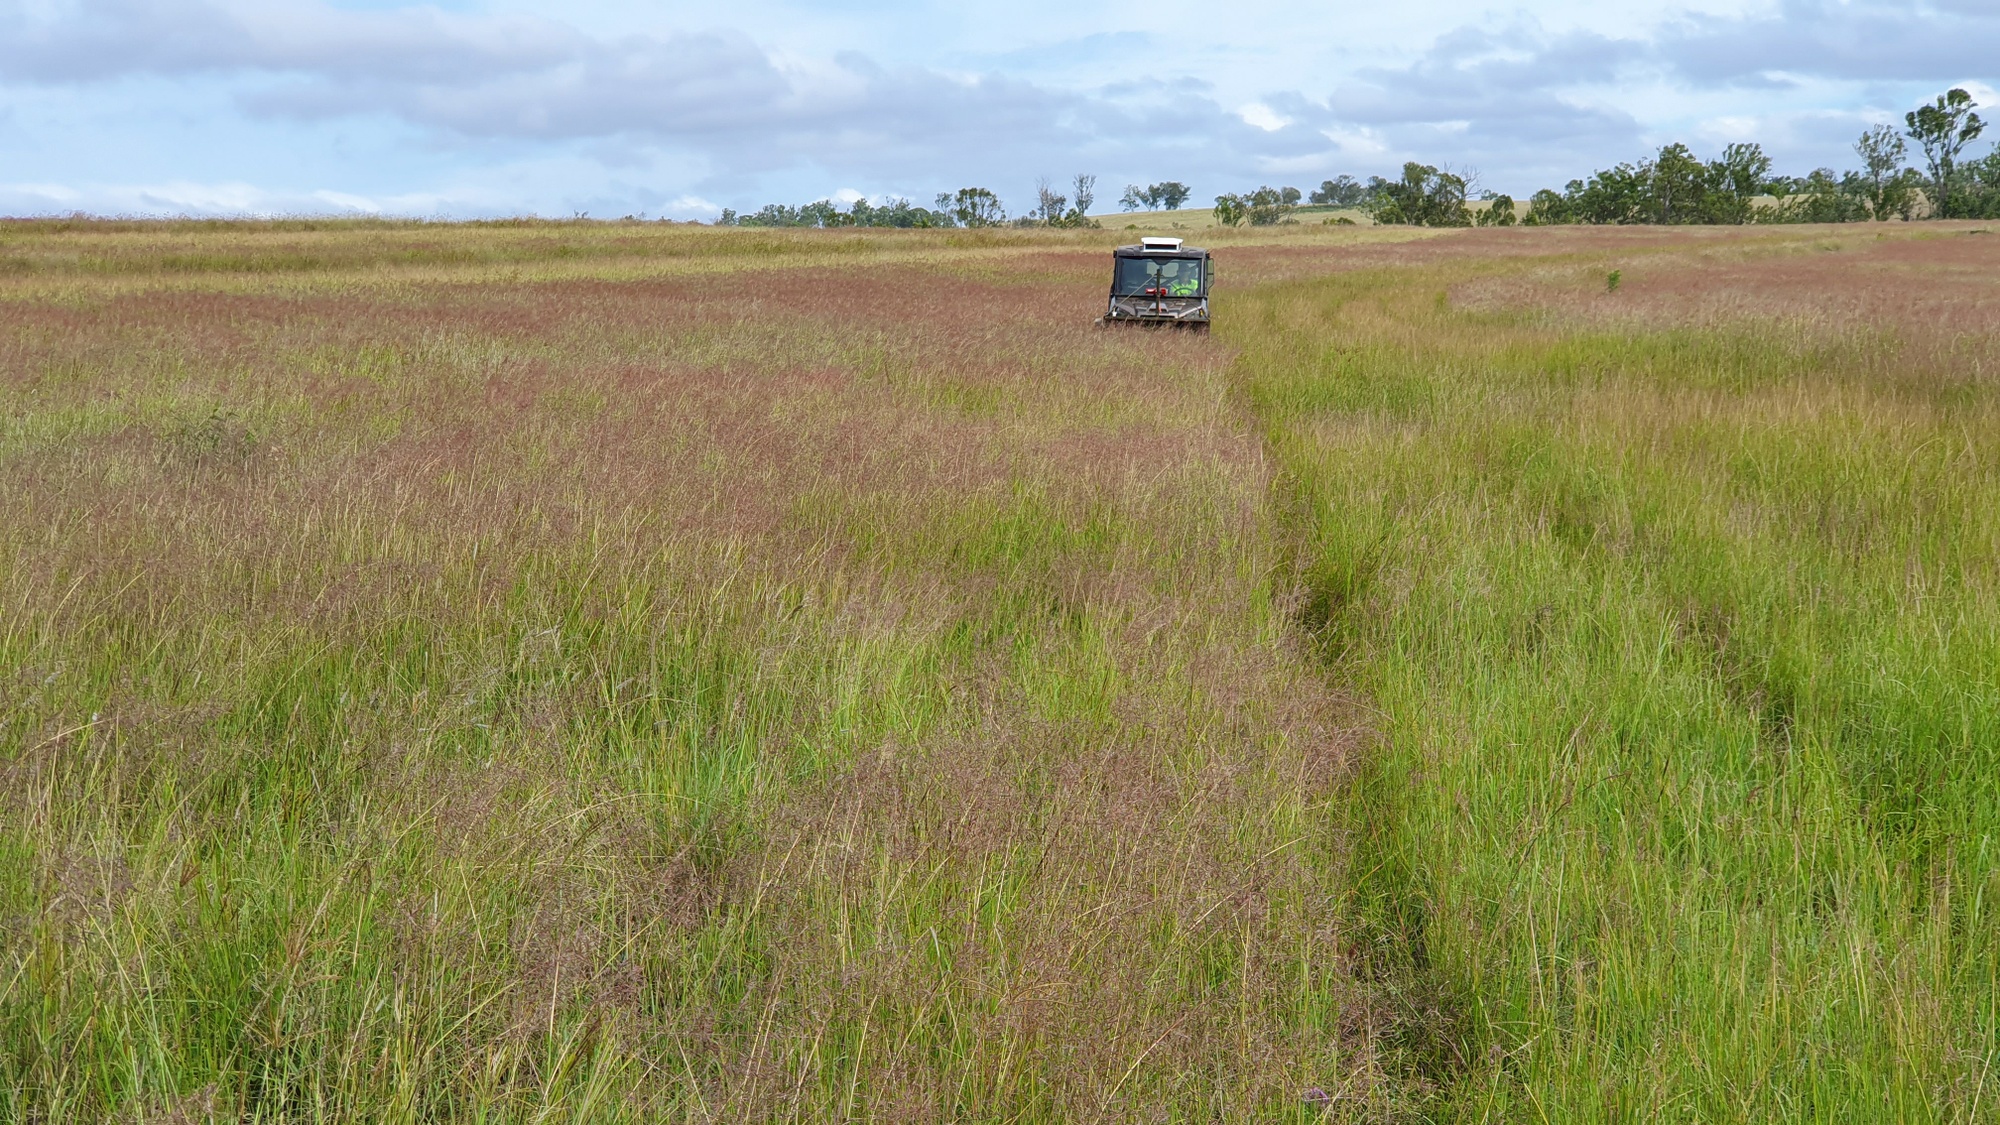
(676, 109)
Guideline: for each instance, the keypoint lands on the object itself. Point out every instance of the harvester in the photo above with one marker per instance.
(1160, 283)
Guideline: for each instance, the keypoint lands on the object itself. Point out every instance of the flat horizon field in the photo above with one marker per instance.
(638, 672)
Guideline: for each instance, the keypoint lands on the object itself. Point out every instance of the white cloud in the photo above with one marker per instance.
(175, 198)
(1858, 40)
(1359, 142)
(1735, 127)
(345, 202)
(418, 109)
(1308, 165)
(53, 194)
(184, 197)
(690, 207)
(1982, 92)
(1263, 117)
(167, 198)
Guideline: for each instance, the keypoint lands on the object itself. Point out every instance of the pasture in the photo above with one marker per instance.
(633, 672)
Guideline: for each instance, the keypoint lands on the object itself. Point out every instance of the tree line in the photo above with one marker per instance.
(1673, 187)
(966, 207)
(1737, 186)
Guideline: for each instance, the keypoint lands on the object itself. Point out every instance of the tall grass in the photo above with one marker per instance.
(1679, 609)
(603, 694)
(621, 672)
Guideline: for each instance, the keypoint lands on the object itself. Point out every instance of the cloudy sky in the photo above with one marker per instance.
(674, 108)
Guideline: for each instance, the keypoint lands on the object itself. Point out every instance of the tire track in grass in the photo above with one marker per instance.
(1678, 607)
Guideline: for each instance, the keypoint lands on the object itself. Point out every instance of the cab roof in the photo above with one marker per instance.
(1161, 248)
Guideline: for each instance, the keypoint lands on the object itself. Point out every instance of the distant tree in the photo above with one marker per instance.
(1616, 195)
(821, 213)
(1678, 185)
(1978, 193)
(1426, 197)
(1743, 174)
(727, 219)
(1547, 208)
(1050, 204)
(1821, 197)
(1499, 212)
(1269, 206)
(1054, 209)
(1890, 186)
(860, 213)
(1341, 191)
(1166, 196)
(973, 207)
(894, 213)
(1231, 210)
(772, 215)
(1673, 187)
(1942, 130)
(1084, 189)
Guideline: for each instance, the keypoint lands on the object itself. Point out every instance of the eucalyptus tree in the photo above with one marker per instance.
(1887, 182)
(1943, 129)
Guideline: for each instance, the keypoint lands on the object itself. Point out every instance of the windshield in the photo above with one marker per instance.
(1157, 277)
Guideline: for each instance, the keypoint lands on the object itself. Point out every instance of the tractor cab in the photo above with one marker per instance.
(1160, 282)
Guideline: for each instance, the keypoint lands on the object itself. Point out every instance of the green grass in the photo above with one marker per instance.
(1686, 650)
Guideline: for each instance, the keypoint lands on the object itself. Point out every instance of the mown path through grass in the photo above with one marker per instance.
(1680, 607)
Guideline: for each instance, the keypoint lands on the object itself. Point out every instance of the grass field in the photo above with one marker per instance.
(597, 672)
